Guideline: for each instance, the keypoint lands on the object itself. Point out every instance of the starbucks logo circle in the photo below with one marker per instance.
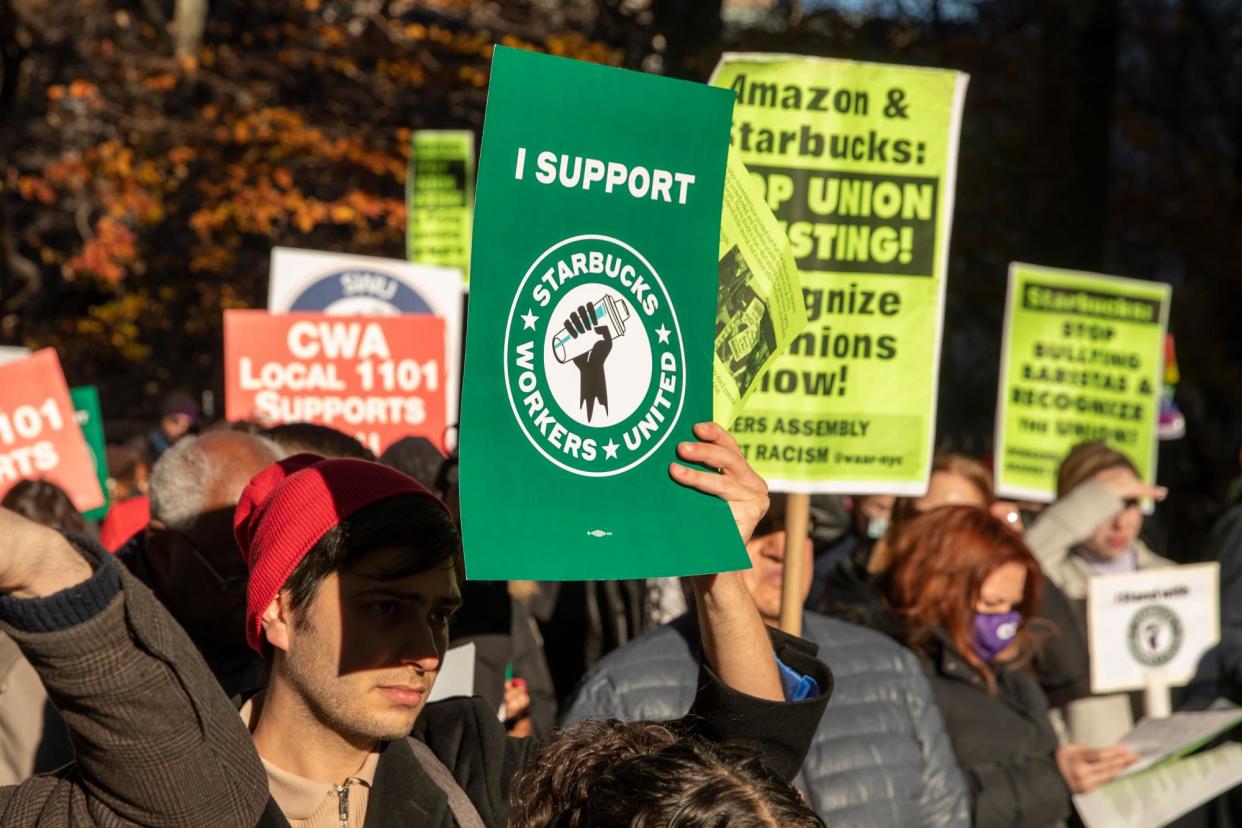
(594, 359)
(1154, 636)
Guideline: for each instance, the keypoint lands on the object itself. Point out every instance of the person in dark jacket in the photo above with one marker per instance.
(880, 757)
(188, 555)
(1061, 659)
(868, 520)
(962, 591)
(179, 417)
(1225, 547)
(353, 578)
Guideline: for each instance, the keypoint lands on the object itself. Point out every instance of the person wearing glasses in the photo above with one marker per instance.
(188, 555)
(1093, 529)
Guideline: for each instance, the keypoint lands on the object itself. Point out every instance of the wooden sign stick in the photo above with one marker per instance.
(797, 518)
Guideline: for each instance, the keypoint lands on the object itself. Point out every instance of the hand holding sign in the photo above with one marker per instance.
(734, 482)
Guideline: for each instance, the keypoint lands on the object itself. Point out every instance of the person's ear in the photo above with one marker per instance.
(277, 622)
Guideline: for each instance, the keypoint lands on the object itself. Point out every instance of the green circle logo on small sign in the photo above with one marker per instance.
(594, 360)
(1154, 636)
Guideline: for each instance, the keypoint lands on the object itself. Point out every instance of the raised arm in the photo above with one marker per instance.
(1074, 517)
(156, 740)
(755, 684)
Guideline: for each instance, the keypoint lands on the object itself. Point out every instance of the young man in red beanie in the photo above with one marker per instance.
(353, 582)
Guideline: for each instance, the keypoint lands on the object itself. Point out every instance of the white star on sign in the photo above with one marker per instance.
(663, 333)
(528, 321)
(610, 450)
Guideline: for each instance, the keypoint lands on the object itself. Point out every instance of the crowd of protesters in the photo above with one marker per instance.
(251, 634)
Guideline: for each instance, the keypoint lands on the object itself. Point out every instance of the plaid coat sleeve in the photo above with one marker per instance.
(157, 742)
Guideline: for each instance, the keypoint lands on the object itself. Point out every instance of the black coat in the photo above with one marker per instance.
(1004, 743)
(467, 737)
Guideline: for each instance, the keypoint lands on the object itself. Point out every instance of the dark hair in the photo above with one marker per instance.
(44, 502)
(612, 774)
(323, 440)
(417, 457)
(1085, 461)
(416, 524)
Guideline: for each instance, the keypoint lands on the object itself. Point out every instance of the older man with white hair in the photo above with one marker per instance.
(188, 555)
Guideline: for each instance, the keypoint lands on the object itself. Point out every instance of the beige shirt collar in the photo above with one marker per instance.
(299, 797)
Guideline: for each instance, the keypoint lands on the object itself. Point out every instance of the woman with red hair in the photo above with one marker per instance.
(1061, 663)
(961, 591)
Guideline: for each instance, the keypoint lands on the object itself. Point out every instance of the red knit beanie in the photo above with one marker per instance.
(290, 505)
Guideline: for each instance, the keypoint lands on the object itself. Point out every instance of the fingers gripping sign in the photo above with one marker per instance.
(733, 480)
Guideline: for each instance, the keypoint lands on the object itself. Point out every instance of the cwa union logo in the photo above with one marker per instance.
(594, 361)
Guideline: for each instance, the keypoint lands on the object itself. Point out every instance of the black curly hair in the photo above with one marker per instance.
(612, 774)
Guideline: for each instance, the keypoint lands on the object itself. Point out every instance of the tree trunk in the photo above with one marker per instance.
(189, 19)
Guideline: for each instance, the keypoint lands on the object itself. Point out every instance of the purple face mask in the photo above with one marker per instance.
(994, 632)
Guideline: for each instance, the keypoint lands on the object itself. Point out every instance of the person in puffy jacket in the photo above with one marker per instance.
(880, 757)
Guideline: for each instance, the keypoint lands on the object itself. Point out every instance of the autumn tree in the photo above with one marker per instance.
(143, 188)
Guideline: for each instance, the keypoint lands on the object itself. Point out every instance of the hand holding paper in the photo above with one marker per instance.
(1086, 769)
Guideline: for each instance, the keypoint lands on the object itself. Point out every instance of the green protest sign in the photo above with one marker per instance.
(858, 163)
(439, 198)
(589, 345)
(90, 418)
(1083, 360)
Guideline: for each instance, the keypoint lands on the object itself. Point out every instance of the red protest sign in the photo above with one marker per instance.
(379, 378)
(39, 433)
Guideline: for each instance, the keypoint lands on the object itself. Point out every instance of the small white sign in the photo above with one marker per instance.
(456, 677)
(1159, 621)
(345, 284)
(12, 353)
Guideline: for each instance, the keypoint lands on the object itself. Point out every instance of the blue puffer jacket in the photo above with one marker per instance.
(881, 758)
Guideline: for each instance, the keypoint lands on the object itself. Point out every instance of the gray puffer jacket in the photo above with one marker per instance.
(880, 758)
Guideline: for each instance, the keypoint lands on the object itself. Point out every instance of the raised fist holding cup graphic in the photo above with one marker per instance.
(588, 319)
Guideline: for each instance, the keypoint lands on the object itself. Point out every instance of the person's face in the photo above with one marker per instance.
(1114, 536)
(872, 508)
(949, 489)
(1002, 590)
(176, 426)
(765, 577)
(364, 653)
